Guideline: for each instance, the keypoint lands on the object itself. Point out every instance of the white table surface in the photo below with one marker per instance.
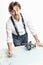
(21, 56)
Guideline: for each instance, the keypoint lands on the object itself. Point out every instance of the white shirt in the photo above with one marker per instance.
(10, 28)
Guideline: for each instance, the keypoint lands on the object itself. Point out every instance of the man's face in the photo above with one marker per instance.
(16, 11)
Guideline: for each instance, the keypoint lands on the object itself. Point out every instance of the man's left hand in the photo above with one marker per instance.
(39, 44)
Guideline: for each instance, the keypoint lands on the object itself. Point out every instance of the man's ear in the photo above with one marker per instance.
(12, 12)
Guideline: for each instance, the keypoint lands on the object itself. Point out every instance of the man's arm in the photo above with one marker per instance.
(37, 41)
(9, 37)
(33, 31)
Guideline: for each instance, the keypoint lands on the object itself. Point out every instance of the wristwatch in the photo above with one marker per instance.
(37, 41)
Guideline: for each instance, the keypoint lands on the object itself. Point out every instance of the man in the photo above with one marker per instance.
(16, 28)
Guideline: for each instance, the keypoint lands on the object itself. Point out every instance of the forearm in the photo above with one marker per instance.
(9, 46)
(9, 49)
(36, 38)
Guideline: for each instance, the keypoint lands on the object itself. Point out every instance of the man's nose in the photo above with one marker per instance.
(17, 12)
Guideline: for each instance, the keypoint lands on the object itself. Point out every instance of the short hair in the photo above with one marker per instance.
(12, 4)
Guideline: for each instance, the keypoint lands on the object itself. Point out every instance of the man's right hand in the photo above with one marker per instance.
(9, 54)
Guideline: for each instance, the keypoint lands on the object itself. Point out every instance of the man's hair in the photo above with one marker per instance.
(12, 4)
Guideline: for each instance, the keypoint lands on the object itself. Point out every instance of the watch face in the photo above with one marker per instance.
(37, 40)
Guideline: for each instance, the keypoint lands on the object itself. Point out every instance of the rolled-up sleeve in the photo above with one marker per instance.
(31, 28)
(9, 32)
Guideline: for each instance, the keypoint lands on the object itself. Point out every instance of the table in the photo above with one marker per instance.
(21, 56)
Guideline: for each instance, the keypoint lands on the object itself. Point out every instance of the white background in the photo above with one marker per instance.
(33, 9)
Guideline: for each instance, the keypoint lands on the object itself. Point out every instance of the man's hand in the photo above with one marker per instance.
(9, 54)
(39, 44)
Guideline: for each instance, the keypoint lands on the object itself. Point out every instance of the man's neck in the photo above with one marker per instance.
(17, 17)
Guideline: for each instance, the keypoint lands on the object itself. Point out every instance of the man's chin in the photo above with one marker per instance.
(17, 17)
